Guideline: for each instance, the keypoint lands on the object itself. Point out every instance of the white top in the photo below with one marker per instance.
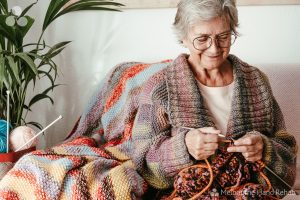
(218, 101)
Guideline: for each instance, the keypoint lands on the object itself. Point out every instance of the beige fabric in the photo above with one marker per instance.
(218, 101)
(285, 82)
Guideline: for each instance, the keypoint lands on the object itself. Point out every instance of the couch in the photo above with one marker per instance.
(285, 82)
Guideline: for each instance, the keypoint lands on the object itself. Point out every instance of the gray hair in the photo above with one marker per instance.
(190, 11)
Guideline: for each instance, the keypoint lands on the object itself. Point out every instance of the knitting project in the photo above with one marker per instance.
(226, 176)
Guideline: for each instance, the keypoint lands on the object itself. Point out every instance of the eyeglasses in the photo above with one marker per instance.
(223, 40)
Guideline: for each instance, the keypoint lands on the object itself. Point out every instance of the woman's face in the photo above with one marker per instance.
(217, 31)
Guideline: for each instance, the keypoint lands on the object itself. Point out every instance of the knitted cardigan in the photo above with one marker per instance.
(171, 99)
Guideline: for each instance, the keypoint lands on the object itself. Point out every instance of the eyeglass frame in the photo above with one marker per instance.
(216, 40)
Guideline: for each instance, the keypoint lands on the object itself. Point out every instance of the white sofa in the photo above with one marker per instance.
(285, 82)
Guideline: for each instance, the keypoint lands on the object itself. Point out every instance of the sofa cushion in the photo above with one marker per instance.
(285, 82)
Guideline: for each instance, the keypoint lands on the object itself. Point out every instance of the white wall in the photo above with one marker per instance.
(270, 35)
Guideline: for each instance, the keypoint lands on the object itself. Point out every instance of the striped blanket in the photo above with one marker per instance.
(82, 167)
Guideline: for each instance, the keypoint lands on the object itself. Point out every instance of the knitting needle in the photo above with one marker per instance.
(220, 135)
(60, 117)
(281, 179)
(7, 124)
(264, 166)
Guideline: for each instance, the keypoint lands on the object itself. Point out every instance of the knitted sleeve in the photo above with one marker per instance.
(280, 151)
(159, 151)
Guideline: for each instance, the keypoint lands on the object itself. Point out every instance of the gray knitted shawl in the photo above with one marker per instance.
(251, 106)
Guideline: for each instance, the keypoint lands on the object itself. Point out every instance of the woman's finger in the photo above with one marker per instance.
(210, 138)
(249, 154)
(255, 158)
(249, 139)
(209, 153)
(242, 149)
(210, 146)
(209, 130)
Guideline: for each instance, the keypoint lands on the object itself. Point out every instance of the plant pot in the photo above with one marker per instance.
(7, 160)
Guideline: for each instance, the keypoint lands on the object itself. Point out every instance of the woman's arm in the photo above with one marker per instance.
(280, 152)
(159, 151)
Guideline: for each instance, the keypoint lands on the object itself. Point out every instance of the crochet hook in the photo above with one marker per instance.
(189, 128)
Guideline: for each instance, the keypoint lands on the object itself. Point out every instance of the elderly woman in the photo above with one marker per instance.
(173, 120)
(185, 108)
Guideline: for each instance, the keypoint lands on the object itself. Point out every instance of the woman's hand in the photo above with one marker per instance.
(203, 142)
(250, 145)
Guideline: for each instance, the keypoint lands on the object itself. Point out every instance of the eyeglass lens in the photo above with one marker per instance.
(222, 41)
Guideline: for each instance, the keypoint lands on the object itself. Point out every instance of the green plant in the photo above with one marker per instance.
(22, 65)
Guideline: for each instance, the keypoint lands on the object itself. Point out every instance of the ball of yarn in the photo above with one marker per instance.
(4, 168)
(20, 136)
(3, 144)
(3, 132)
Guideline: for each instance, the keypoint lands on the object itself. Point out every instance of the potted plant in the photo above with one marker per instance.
(23, 65)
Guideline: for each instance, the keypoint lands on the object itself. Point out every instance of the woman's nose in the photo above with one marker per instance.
(214, 47)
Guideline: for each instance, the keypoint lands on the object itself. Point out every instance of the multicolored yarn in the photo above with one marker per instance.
(228, 175)
(4, 168)
(3, 136)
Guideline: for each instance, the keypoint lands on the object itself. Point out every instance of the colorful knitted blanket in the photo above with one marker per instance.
(80, 168)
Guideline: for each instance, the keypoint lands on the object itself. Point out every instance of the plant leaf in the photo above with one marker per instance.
(7, 31)
(47, 75)
(27, 8)
(3, 6)
(39, 97)
(90, 5)
(51, 88)
(58, 47)
(7, 81)
(26, 107)
(21, 31)
(53, 8)
(36, 124)
(14, 68)
(2, 73)
(76, 6)
(29, 61)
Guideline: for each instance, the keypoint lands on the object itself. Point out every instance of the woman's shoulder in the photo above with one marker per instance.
(155, 88)
(252, 75)
(246, 69)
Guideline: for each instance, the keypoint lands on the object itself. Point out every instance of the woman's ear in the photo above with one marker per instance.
(184, 42)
